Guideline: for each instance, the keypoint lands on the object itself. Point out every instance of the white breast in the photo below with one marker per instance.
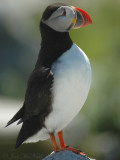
(72, 79)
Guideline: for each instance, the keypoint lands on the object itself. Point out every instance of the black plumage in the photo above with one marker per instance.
(38, 97)
(17, 116)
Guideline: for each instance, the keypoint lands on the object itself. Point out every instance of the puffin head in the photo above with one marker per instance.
(61, 17)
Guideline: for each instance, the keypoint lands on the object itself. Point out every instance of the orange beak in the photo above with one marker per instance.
(82, 18)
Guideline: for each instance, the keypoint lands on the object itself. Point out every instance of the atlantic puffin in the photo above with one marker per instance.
(60, 81)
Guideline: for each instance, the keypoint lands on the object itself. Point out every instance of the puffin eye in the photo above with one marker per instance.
(64, 13)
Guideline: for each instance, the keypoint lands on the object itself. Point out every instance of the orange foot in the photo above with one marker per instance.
(71, 149)
(63, 145)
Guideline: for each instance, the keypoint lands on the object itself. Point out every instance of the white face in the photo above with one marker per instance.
(61, 19)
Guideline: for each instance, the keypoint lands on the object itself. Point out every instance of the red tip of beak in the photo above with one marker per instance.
(86, 18)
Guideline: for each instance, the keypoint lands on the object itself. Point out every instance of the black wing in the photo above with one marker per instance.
(37, 104)
(38, 94)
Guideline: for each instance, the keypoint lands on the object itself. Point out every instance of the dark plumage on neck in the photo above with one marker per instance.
(53, 45)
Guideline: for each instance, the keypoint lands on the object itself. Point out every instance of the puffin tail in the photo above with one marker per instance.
(16, 117)
(29, 128)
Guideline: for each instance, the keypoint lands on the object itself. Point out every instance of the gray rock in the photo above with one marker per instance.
(65, 155)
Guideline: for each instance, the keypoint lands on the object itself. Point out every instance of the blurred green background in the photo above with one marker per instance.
(96, 130)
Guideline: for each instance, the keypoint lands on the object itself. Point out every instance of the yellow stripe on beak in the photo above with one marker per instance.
(74, 20)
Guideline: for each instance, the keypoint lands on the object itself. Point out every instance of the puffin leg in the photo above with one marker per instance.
(64, 147)
(54, 143)
(61, 139)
